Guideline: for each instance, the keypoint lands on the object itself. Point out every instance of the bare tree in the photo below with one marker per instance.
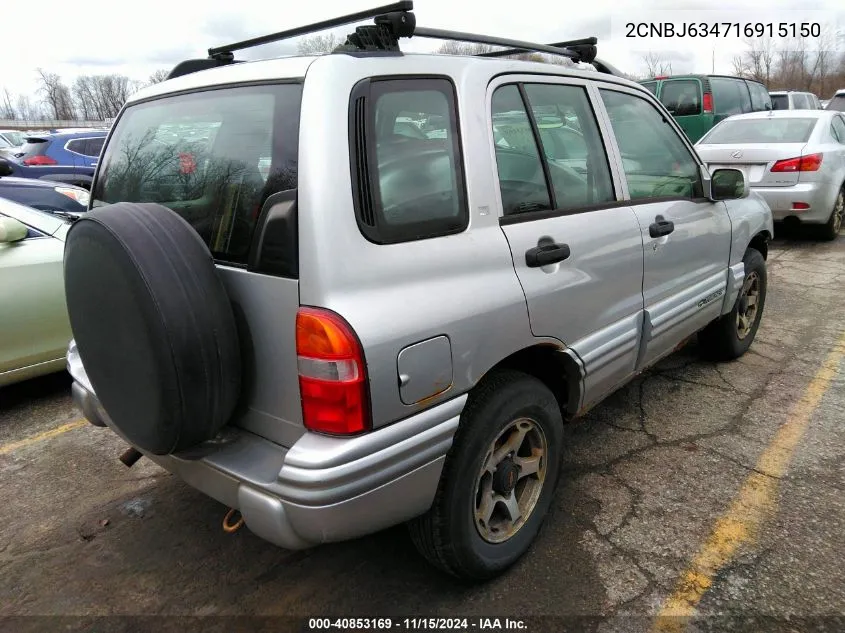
(27, 111)
(656, 64)
(57, 97)
(324, 43)
(7, 110)
(101, 96)
(158, 76)
(463, 48)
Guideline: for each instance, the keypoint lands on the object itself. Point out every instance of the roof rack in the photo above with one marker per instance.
(391, 22)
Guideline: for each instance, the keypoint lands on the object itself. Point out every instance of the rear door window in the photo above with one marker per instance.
(681, 97)
(204, 155)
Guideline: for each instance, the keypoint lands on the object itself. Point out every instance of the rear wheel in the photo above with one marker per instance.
(834, 224)
(731, 335)
(498, 479)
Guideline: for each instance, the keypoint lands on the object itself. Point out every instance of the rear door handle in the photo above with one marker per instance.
(661, 227)
(546, 252)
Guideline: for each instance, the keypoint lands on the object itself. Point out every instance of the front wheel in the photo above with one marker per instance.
(498, 479)
(730, 336)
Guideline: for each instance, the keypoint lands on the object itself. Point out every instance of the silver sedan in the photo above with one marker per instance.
(795, 159)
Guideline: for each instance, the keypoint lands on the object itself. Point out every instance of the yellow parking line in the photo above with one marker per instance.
(64, 428)
(741, 522)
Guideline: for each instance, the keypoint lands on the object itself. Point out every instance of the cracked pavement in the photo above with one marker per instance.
(645, 476)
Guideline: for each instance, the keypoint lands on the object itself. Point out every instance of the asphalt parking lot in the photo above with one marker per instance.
(700, 488)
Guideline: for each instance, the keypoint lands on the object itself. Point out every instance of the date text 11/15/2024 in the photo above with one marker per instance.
(722, 29)
(417, 624)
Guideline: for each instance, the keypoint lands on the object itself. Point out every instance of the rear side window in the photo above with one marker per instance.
(801, 101)
(838, 129)
(93, 146)
(730, 96)
(789, 130)
(681, 96)
(837, 103)
(760, 99)
(204, 155)
(656, 162)
(780, 102)
(407, 175)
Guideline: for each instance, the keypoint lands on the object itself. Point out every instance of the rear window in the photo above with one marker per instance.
(780, 102)
(760, 131)
(213, 157)
(35, 146)
(681, 96)
(837, 103)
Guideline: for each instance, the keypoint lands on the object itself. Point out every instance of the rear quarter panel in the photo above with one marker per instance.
(462, 287)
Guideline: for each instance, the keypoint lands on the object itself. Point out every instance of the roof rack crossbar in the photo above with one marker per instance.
(582, 47)
(227, 50)
(521, 46)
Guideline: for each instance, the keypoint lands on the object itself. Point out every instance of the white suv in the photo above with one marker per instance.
(791, 100)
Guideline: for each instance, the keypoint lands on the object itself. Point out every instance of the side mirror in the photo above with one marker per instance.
(727, 184)
(5, 168)
(11, 230)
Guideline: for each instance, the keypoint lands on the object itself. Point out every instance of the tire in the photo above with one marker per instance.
(721, 339)
(153, 325)
(830, 230)
(447, 535)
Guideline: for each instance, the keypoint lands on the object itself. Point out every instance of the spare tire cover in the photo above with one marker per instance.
(153, 325)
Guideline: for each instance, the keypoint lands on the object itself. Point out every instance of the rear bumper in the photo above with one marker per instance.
(818, 195)
(322, 489)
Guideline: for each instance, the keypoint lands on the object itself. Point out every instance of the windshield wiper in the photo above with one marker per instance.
(66, 215)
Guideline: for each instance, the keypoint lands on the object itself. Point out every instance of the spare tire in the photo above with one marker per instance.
(153, 325)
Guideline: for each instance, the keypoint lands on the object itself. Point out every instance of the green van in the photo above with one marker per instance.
(698, 102)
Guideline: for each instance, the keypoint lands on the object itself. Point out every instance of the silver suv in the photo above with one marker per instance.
(341, 292)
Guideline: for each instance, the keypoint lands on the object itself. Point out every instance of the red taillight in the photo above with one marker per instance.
(811, 162)
(332, 373)
(40, 160)
(800, 206)
(662, 77)
(708, 103)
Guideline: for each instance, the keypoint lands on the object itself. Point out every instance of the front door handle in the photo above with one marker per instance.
(546, 252)
(661, 227)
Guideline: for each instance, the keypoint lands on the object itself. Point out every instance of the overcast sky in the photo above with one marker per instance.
(137, 38)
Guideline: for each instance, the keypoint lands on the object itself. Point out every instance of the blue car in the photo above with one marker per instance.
(67, 157)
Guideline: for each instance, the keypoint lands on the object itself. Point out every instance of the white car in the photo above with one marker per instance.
(795, 159)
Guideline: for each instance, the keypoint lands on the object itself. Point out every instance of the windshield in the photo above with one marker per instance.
(213, 157)
(760, 131)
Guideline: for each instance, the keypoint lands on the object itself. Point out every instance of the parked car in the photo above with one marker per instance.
(837, 102)
(68, 157)
(389, 328)
(795, 159)
(34, 328)
(44, 195)
(698, 102)
(793, 100)
(10, 142)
